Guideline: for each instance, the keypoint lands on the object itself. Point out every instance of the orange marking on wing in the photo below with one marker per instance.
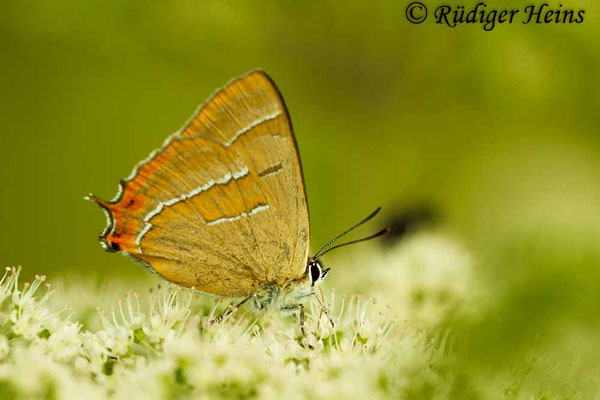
(131, 203)
(123, 237)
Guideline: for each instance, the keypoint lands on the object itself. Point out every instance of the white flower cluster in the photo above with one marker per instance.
(422, 278)
(164, 348)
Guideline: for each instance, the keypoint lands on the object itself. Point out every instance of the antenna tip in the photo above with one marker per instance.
(374, 213)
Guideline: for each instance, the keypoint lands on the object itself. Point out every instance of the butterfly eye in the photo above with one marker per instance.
(315, 272)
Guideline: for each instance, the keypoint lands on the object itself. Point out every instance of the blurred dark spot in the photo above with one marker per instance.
(418, 297)
(407, 220)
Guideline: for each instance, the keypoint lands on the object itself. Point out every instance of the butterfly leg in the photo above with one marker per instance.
(324, 309)
(302, 321)
(228, 311)
(303, 327)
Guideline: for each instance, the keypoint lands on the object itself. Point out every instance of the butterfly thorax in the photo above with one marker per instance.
(288, 297)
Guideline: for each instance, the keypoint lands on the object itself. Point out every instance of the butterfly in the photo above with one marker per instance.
(221, 207)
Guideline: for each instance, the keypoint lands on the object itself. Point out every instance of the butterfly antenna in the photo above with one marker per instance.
(322, 250)
(381, 232)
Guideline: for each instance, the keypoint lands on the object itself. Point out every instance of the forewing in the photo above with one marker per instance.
(222, 205)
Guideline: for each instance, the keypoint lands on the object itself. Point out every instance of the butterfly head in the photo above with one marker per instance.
(316, 273)
(298, 291)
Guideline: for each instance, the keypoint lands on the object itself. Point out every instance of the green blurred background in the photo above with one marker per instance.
(498, 131)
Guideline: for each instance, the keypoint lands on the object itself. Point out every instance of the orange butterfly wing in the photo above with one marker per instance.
(221, 207)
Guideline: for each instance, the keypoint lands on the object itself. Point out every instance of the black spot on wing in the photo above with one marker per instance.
(271, 170)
